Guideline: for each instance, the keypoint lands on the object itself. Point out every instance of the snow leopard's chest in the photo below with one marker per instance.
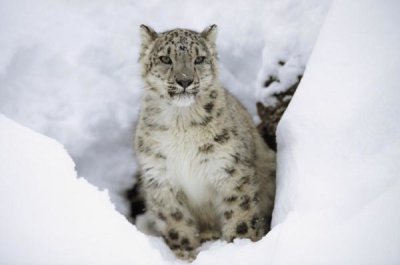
(187, 168)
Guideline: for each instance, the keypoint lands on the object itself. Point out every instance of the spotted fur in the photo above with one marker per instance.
(202, 157)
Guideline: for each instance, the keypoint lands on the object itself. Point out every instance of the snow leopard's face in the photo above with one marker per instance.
(179, 65)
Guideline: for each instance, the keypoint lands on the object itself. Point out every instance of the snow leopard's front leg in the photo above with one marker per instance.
(240, 213)
(173, 220)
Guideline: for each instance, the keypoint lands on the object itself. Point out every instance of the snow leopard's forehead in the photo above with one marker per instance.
(182, 41)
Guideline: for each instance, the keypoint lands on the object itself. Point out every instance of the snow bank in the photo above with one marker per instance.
(49, 216)
(339, 144)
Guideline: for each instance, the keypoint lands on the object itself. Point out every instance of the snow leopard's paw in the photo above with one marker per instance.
(188, 255)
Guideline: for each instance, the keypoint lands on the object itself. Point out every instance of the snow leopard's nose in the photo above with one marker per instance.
(184, 82)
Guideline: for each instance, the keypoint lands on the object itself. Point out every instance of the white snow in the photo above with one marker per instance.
(68, 70)
(290, 30)
(49, 216)
(339, 144)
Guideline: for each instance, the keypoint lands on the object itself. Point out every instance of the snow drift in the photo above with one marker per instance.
(49, 216)
(339, 144)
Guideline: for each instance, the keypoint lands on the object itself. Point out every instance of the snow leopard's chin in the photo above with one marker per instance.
(183, 100)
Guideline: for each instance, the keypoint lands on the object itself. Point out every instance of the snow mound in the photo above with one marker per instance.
(49, 216)
(338, 194)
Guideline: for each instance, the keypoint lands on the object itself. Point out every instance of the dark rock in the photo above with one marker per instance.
(271, 115)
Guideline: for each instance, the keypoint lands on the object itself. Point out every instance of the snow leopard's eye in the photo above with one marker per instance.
(199, 60)
(165, 59)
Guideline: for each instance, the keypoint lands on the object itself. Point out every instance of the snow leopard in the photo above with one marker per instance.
(206, 172)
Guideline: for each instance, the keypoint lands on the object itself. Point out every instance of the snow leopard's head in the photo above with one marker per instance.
(180, 64)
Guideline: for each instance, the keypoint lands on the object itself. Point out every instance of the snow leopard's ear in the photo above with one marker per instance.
(147, 35)
(210, 34)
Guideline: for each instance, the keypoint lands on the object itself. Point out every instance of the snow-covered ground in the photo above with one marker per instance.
(49, 216)
(68, 70)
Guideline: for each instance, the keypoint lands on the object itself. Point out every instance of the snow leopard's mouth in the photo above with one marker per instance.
(185, 93)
